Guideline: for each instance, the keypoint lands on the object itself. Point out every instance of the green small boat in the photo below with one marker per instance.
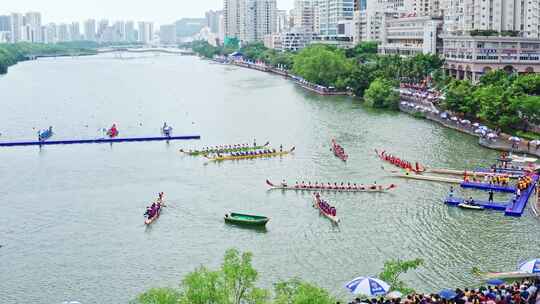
(224, 151)
(246, 219)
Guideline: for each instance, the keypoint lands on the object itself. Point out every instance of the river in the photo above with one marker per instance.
(72, 225)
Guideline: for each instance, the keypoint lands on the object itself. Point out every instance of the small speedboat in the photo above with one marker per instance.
(45, 134)
(166, 130)
(113, 131)
(470, 206)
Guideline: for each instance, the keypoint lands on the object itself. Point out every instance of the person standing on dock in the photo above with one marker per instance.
(518, 193)
(451, 195)
(490, 199)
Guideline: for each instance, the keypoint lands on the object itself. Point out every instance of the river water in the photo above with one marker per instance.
(72, 225)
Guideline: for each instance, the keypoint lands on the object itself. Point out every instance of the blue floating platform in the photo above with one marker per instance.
(518, 207)
(96, 141)
(510, 171)
(488, 187)
(499, 206)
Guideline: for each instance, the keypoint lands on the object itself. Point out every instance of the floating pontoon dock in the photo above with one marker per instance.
(96, 141)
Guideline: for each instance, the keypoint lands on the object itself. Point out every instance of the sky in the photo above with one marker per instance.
(159, 11)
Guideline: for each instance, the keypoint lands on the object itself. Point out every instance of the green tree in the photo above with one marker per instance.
(158, 296)
(323, 65)
(202, 286)
(527, 84)
(393, 269)
(295, 291)
(459, 98)
(382, 94)
(240, 277)
(363, 51)
(233, 283)
(496, 77)
(496, 107)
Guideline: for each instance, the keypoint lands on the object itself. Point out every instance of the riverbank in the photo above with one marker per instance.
(315, 88)
(11, 54)
(501, 143)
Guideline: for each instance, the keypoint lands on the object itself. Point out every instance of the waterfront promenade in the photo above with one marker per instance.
(426, 109)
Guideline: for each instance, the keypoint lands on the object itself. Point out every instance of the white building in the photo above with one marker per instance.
(250, 20)
(17, 23)
(304, 15)
(282, 21)
(62, 32)
(146, 32)
(330, 13)
(102, 26)
(464, 16)
(75, 32)
(131, 33)
(119, 31)
(212, 20)
(292, 40)
(231, 15)
(470, 57)
(90, 30)
(257, 19)
(167, 34)
(49, 33)
(409, 36)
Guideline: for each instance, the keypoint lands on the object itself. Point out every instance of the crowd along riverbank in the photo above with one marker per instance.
(420, 107)
(262, 67)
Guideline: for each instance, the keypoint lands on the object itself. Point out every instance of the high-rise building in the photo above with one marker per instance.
(146, 32)
(90, 30)
(32, 27)
(74, 31)
(495, 15)
(17, 22)
(304, 14)
(49, 33)
(5, 23)
(282, 21)
(167, 34)
(257, 19)
(212, 20)
(119, 31)
(131, 33)
(426, 8)
(250, 20)
(231, 14)
(102, 26)
(331, 12)
(62, 32)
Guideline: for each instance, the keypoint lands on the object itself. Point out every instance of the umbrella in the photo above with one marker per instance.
(514, 138)
(465, 121)
(532, 266)
(444, 115)
(535, 142)
(495, 282)
(436, 111)
(454, 118)
(403, 103)
(480, 131)
(447, 294)
(368, 286)
(476, 125)
(492, 135)
(394, 295)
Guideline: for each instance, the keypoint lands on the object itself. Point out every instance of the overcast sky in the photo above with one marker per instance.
(159, 11)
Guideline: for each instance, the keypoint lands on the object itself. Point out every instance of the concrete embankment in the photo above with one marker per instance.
(502, 143)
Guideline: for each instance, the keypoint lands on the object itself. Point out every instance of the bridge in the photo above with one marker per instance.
(174, 51)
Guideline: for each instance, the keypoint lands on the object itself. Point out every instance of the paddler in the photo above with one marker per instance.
(254, 143)
(284, 183)
(280, 148)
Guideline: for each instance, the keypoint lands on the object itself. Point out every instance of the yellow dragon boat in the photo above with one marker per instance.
(250, 156)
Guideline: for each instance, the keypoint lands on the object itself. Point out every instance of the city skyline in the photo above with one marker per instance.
(160, 11)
